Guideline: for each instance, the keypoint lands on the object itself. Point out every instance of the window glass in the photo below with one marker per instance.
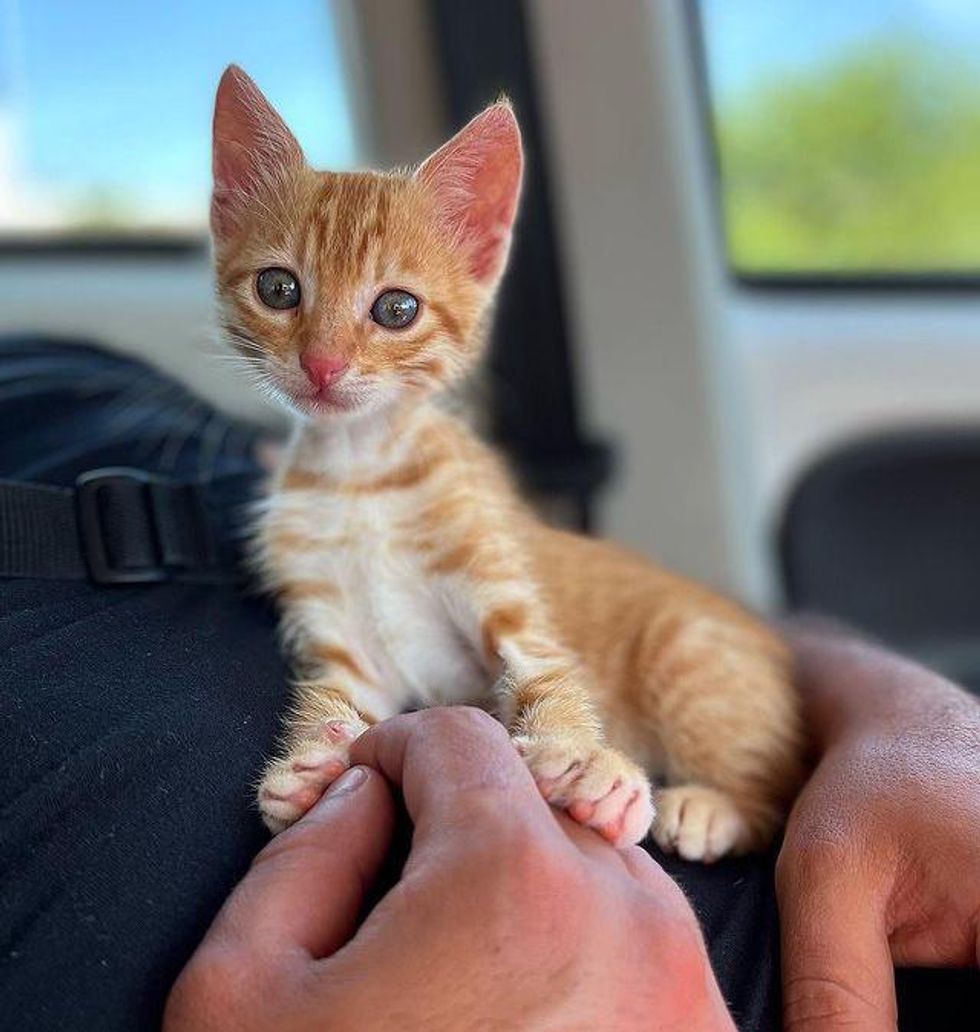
(105, 107)
(848, 134)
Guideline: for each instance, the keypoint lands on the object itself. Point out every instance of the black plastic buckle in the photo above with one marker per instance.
(140, 528)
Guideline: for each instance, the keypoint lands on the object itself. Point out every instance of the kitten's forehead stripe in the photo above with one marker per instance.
(354, 192)
(347, 217)
(321, 225)
(373, 222)
(408, 263)
(377, 228)
(377, 225)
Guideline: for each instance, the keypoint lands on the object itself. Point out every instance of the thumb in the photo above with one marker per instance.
(307, 887)
(837, 966)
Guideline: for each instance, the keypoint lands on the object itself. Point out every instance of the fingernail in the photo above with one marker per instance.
(347, 782)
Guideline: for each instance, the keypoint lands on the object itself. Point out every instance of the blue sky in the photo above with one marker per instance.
(118, 94)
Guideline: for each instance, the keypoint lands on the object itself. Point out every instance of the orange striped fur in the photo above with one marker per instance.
(408, 570)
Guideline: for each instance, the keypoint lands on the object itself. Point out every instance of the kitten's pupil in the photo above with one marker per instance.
(277, 288)
(395, 309)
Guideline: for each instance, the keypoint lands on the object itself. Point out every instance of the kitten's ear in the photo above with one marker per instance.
(476, 181)
(251, 144)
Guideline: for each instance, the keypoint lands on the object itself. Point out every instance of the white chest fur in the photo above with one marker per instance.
(387, 611)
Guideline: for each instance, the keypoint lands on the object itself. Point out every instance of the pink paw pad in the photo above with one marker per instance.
(323, 772)
(581, 810)
(338, 732)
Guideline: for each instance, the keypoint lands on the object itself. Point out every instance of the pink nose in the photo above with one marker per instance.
(323, 370)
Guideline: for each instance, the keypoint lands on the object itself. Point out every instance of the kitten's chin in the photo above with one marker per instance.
(327, 405)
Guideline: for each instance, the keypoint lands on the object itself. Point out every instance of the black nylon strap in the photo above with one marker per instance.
(39, 532)
(118, 526)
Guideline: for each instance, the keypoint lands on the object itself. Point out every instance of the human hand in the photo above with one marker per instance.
(880, 865)
(506, 915)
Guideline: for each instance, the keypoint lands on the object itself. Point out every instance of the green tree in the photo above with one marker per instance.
(870, 164)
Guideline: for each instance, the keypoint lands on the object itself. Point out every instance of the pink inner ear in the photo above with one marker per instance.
(476, 181)
(250, 142)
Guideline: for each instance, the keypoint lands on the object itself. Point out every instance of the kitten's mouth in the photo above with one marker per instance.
(344, 397)
(326, 401)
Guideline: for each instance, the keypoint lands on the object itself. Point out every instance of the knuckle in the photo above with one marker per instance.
(543, 873)
(463, 720)
(531, 859)
(521, 890)
(815, 1004)
(543, 861)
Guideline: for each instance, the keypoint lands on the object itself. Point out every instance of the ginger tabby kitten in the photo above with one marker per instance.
(408, 570)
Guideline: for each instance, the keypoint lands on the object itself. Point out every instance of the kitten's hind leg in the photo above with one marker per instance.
(726, 714)
(321, 726)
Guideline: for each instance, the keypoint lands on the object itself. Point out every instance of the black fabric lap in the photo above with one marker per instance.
(133, 721)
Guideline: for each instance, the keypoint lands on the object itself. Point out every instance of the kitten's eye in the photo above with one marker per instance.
(395, 309)
(277, 288)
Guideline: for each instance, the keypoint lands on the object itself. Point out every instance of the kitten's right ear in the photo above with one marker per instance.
(251, 145)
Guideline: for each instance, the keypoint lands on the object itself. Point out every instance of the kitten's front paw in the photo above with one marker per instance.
(699, 823)
(292, 785)
(596, 785)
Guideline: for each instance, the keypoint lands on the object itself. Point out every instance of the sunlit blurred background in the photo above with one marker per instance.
(741, 332)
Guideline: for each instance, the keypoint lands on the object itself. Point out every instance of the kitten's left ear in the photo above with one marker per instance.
(475, 179)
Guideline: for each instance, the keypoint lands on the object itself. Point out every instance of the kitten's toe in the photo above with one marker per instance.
(292, 785)
(699, 823)
(597, 786)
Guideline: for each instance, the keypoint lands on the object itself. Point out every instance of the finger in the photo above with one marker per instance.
(457, 769)
(305, 890)
(837, 967)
